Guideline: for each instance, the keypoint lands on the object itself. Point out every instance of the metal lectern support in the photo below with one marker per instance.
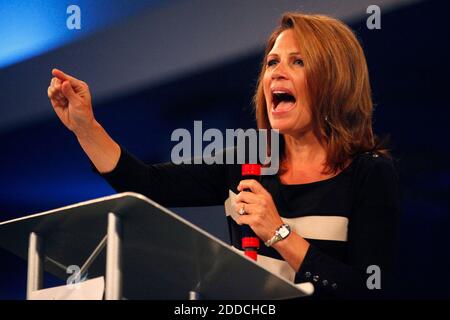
(35, 264)
(113, 288)
(194, 295)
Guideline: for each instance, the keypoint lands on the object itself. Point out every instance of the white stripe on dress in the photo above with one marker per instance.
(320, 227)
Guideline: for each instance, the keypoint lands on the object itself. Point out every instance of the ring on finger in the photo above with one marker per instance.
(242, 211)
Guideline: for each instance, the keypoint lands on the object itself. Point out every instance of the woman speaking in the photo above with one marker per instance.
(329, 216)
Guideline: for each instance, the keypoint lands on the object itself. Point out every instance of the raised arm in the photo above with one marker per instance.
(71, 101)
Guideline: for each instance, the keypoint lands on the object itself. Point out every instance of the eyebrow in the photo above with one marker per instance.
(291, 54)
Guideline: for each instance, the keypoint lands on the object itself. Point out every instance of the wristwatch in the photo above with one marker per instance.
(281, 233)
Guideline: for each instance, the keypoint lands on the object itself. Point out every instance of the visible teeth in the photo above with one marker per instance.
(282, 96)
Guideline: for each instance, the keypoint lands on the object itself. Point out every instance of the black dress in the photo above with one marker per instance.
(349, 220)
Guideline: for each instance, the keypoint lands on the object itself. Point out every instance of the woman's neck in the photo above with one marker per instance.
(304, 150)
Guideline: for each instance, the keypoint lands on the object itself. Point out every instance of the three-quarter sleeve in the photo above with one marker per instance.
(372, 233)
(170, 184)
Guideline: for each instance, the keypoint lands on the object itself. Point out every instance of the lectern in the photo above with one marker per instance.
(143, 250)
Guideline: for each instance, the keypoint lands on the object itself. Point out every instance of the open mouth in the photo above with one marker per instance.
(282, 101)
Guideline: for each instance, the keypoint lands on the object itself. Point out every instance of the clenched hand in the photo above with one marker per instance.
(71, 101)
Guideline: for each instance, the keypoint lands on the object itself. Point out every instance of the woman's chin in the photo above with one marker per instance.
(280, 125)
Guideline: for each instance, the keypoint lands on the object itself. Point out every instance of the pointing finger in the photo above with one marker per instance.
(62, 76)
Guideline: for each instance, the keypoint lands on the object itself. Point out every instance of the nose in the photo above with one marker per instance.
(279, 72)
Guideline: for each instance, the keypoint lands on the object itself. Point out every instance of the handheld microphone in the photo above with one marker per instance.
(250, 242)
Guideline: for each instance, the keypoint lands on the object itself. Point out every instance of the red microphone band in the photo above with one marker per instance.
(250, 242)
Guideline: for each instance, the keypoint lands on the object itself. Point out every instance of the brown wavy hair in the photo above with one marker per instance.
(338, 88)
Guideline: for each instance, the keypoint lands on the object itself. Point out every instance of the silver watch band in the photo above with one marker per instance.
(273, 240)
(281, 233)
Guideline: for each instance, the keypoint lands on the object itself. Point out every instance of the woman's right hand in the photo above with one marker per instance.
(71, 101)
